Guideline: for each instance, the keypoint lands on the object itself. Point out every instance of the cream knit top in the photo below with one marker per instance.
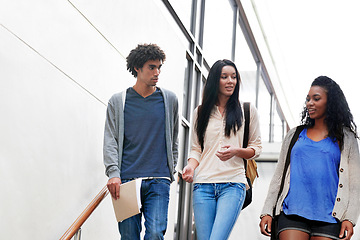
(211, 169)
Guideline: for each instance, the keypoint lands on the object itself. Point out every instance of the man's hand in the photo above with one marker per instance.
(114, 187)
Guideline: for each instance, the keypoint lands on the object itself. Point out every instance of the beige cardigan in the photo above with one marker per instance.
(348, 196)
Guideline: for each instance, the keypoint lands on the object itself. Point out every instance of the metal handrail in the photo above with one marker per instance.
(73, 229)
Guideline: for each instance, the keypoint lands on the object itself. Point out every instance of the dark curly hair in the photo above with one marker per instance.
(141, 54)
(210, 96)
(338, 113)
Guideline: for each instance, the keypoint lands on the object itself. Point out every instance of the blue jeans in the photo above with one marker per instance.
(155, 202)
(216, 208)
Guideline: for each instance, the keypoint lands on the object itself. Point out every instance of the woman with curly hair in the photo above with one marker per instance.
(215, 162)
(317, 197)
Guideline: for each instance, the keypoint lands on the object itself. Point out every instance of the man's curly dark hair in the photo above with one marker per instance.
(141, 54)
(338, 113)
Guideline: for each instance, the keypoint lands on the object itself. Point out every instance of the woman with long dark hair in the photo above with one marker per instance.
(320, 194)
(215, 163)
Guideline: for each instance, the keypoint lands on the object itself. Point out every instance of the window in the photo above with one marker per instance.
(218, 30)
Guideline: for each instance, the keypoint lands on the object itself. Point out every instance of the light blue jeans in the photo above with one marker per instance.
(216, 208)
(155, 202)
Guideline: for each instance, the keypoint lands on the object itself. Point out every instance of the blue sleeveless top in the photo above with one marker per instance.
(314, 178)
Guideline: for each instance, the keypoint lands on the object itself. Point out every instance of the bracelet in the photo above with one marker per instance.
(263, 215)
(350, 222)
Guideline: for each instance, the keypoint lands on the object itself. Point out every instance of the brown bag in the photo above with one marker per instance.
(251, 170)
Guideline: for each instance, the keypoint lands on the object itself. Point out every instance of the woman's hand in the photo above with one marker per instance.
(349, 228)
(189, 169)
(188, 173)
(265, 225)
(227, 152)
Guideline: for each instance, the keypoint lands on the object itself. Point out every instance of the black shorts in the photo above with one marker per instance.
(313, 228)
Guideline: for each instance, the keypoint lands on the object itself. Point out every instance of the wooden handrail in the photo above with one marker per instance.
(85, 214)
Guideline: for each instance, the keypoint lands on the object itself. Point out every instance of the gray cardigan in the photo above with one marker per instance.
(114, 132)
(348, 195)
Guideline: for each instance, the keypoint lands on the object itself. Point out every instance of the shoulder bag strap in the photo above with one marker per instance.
(287, 161)
(246, 128)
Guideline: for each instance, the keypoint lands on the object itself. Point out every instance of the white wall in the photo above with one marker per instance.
(60, 62)
(56, 74)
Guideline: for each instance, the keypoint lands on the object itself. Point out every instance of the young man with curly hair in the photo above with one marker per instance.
(141, 141)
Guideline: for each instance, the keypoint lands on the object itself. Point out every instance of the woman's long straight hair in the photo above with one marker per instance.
(233, 113)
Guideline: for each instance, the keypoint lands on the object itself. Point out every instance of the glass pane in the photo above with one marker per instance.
(278, 128)
(248, 86)
(183, 10)
(247, 68)
(243, 57)
(218, 28)
(187, 90)
(264, 111)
